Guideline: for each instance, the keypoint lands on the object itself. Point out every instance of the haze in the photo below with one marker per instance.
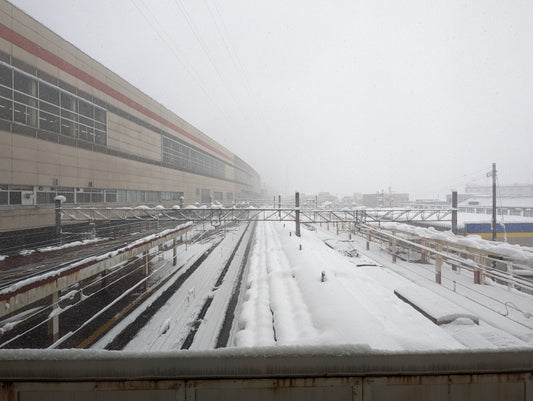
(342, 96)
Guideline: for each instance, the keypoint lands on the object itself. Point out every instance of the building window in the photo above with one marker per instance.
(205, 196)
(152, 196)
(111, 195)
(30, 101)
(242, 176)
(218, 196)
(183, 157)
(45, 197)
(4, 195)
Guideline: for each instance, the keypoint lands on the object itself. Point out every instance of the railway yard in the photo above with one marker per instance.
(253, 284)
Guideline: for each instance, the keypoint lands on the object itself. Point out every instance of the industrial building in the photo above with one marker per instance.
(71, 127)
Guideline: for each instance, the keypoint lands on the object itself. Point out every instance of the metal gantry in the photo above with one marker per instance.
(219, 215)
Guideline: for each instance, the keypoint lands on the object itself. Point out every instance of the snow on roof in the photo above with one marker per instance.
(486, 201)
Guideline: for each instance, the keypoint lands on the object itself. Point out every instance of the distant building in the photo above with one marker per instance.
(507, 206)
(431, 204)
(385, 199)
(326, 197)
(503, 190)
(348, 200)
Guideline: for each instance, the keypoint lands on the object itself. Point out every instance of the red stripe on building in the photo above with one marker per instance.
(45, 55)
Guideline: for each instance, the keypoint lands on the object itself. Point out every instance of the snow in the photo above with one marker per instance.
(69, 245)
(20, 284)
(513, 251)
(299, 293)
(171, 324)
(354, 306)
(437, 308)
(499, 325)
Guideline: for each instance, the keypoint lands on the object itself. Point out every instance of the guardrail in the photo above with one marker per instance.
(279, 373)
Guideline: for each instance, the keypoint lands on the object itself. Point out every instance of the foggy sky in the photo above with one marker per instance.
(342, 96)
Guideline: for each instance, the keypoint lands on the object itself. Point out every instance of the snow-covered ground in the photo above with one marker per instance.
(317, 296)
(298, 291)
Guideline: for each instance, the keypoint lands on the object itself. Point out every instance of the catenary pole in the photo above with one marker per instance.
(297, 213)
(494, 236)
(454, 212)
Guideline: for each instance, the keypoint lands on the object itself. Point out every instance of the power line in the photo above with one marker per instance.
(167, 42)
(241, 70)
(229, 89)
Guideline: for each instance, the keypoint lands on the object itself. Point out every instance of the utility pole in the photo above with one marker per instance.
(454, 212)
(494, 236)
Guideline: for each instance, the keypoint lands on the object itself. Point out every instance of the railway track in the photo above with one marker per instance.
(197, 309)
(88, 307)
(219, 265)
(40, 260)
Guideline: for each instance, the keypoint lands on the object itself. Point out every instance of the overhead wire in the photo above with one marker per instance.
(461, 179)
(205, 48)
(234, 57)
(167, 41)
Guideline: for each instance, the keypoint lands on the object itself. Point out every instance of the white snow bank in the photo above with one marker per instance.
(436, 308)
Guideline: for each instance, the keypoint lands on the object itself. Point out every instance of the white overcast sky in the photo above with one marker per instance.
(340, 95)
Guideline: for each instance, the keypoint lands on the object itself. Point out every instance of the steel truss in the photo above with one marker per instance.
(407, 215)
(219, 215)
